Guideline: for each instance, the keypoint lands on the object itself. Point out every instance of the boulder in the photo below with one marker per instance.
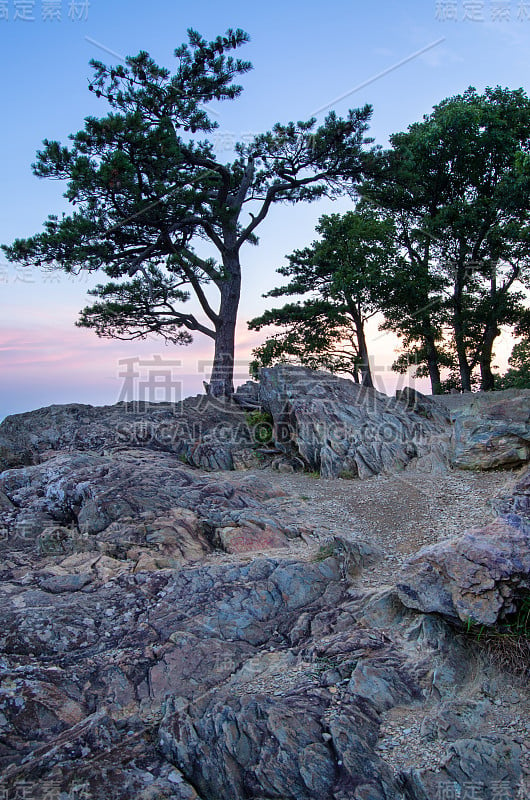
(478, 577)
(248, 745)
(342, 429)
(492, 431)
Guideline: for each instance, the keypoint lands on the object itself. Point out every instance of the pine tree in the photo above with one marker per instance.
(146, 191)
(345, 278)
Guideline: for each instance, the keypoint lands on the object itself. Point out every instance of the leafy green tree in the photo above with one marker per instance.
(345, 277)
(147, 192)
(517, 376)
(413, 309)
(315, 334)
(458, 186)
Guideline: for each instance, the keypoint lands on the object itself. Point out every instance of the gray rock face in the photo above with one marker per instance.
(481, 576)
(321, 423)
(84, 677)
(477, 577)
(344, 430)
(255, 745)
(160, 636)
(201, 431)
(141, 507)
(491, 432)
(13, 453)
(247, 395)
(261, 680)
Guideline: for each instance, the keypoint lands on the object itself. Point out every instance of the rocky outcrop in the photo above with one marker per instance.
(321, 423)
(108, 661)
(247, 395)
(152, 666)
(342, 429)
(141, 508)
(13, 452)
(493, 431)
(265, 679)
(478, 577)
(168, 633)
(202, 431)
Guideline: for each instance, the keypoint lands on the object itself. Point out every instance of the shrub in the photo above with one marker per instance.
(509, 641)
(261, 424)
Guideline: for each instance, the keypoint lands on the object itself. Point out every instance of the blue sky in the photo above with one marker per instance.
(305, 55)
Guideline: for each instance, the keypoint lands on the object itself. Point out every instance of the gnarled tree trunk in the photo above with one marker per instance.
(487, 383)
(364, 362)
(222, 377)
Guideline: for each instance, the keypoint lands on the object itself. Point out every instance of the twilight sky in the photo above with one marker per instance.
(402, 58)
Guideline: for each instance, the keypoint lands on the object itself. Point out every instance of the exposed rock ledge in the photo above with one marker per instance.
(171, 634)
(321, 422)
(493, 431)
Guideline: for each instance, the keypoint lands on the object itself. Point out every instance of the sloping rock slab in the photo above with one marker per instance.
(203, 431)
(345, 430)
(477, 577)
(243, 681)
(127, 504)
(489, 434)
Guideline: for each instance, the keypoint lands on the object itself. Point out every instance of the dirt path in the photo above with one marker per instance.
(399, 513)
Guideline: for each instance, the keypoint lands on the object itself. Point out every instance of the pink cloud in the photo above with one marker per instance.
(44, 363)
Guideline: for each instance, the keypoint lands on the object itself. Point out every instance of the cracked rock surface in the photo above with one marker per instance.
(343, 429)
(172, 633)
(493, 431)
